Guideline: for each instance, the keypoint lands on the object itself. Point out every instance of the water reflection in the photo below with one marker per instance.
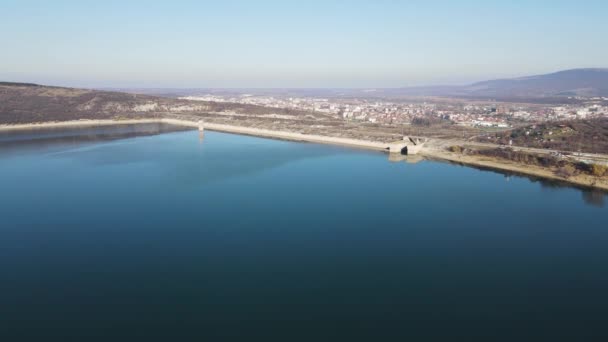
(410, 159)
(595, 197)
(217, 161)
(48, 137)
(208, 161)
(192, 164)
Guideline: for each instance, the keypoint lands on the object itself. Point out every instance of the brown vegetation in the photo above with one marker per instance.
(562, 167)
(455, 149)
(566, 171)
(29, 103)
(598, 170)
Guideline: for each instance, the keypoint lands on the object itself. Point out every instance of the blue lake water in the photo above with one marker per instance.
(168, 237)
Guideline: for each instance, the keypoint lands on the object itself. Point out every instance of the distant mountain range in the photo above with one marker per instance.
(574, 82)
(548, 88)
(556, 87)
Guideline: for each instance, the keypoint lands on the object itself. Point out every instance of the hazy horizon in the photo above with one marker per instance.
(285, 44)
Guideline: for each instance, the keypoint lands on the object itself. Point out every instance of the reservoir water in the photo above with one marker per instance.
(169, 237)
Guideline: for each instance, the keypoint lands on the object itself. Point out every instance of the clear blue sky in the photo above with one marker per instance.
(287, 43)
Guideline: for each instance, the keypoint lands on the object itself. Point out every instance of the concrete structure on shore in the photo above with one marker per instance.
(407, 146)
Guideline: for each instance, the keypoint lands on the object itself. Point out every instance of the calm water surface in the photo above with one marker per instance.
(170, 238)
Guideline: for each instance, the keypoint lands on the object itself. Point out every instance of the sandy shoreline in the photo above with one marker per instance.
(480, 161)
(371, 145)
(505, 165)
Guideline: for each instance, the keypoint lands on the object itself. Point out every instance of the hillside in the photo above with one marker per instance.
(576, 82)
(27, 103)
(562, 84)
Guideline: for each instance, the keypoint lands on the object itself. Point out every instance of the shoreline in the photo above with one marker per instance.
(527, 170)
(298, 137)
(75, 123)
(291, 136)
(437, 154)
